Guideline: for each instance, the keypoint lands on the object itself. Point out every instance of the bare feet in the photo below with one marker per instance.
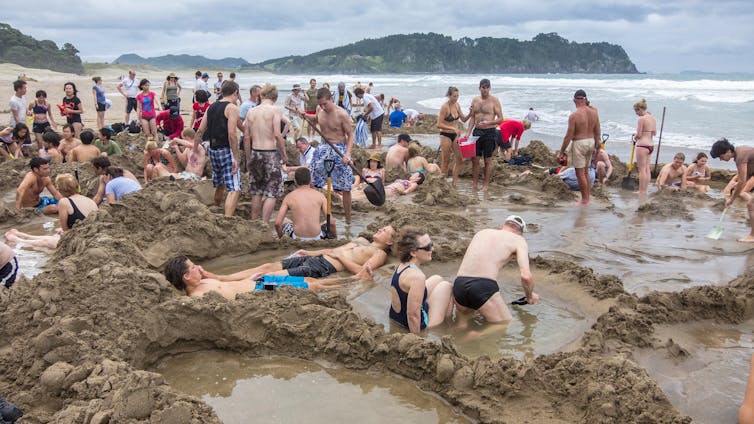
(747, 239)
(582, 203)
(485, 187)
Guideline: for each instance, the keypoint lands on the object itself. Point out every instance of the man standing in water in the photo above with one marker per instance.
(486, 114)
(221, 123)
(476, 287)
(744, 158)
(583, 135)
(265, 154)
(335, 125)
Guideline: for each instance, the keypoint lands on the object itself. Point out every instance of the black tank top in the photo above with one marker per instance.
(76, 216)
(217, 126)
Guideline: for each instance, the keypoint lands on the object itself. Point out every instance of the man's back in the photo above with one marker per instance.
(585, 121)
(85, 153)
(305, 205)
(396, 157)
(488, 252)
(261, 125)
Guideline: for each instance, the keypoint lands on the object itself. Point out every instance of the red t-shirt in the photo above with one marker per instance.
(199, 111)
(173, 127)
(512, 128)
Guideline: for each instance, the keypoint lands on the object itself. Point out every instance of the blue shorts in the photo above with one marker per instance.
(46, 201)
(279, 281)
(222, 169)
(8, 273)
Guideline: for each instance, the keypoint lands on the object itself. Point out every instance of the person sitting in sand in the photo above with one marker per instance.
(106, 146)
(153, 156)
(101, 163)
(34, 182)
(697, 172)
(196, 282)
(72, 208)
(745, 193)
(307, 206)
(399, 187)
(117, 185)
(476, 288)
(359, 257)
(9, 269)
(51, 144)
(69, 142)
(193, 162)
(417, 302)
(673, 175)
(86, 151)
(398, 153)
(373, 172)
(10, 149)
(602, 165)
(417, 163)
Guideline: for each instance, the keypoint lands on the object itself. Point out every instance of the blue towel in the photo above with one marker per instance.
(281, 280)
(361, 134)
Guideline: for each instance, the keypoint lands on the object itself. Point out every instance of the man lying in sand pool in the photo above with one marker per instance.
(196, 282)
(358, 257)
(476, 286)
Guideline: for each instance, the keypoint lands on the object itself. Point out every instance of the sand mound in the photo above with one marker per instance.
(540, 153)
(668, 204)
(437, 191)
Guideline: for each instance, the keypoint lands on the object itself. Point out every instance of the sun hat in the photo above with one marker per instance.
(171, 75)
(515, 219)
(375, 156)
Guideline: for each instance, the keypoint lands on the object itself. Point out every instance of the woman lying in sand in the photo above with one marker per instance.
(398, 187)
(417, 302)
(196, 281)
(72, 208)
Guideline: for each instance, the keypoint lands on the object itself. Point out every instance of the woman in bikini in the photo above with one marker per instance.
(374, 171)
(43, 117)
(447, 123)
(417, 302)
(645, 130)
(697, 172)
(418, 163)
(146, 109)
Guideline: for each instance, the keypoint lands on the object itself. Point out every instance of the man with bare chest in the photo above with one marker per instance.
(265, 154)
(673, 175)
(358, 257)
(34, 182)
(335, 125)
(583, 136)
(69, 142)
(486, 114)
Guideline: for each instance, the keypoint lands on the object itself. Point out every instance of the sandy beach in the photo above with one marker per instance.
(636, 302)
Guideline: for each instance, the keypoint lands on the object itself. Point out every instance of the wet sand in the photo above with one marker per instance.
(624, 280)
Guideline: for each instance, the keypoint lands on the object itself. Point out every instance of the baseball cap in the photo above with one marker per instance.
(404, 136)
(579, 93)
(515, 219)
(174, 111)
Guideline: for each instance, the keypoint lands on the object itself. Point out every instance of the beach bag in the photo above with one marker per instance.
(118, 127)
(524, 159)
(134, 128)
(9, 413)
(468, 146)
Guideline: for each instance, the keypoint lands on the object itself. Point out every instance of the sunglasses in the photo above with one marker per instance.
(428, 247)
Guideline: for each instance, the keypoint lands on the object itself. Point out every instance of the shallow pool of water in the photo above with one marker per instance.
(709, 384)
(279, 390)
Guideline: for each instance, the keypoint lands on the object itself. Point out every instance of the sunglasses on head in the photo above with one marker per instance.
(428, 247)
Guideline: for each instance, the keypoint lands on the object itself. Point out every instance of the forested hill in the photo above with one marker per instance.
(21, 49)
(181, 61)
(430, 53)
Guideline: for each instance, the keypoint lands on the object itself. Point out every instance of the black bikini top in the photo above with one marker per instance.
(450, 117)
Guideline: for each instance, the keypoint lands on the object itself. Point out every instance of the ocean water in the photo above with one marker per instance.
(699, 108)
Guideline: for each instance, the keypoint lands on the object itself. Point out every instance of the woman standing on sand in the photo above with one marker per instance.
(447, 123)
(417, 302)
(72, 108)
(43, 117)
(645, 130)
(171, 92)
(146, 109)
(100, 100)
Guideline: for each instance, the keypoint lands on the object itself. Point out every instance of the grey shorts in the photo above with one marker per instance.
(308, 266)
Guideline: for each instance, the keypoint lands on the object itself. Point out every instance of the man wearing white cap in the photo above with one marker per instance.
(476, 288)
(295, 105)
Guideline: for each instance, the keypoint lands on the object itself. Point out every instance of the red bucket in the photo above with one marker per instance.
(468, 146)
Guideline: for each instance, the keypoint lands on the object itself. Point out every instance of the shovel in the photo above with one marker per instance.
(605, 137)
(329, 166)
(629, 183)
(716, 232)
(374, 190)
(659, 143)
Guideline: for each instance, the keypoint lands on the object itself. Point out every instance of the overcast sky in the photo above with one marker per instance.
(659, 36)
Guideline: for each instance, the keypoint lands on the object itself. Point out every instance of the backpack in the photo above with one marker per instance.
(134, 128)
(118, 127)
(524, 159)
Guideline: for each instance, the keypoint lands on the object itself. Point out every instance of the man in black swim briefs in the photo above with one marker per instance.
(486, 114)
(475, 287)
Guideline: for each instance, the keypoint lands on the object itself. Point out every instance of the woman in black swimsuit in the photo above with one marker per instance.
(72, 207)
(447, 123)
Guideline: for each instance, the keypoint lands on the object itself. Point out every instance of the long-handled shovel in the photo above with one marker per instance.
(329, 166)
(374, 191)
(716, 232)
(629, 183)
(659, 142)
